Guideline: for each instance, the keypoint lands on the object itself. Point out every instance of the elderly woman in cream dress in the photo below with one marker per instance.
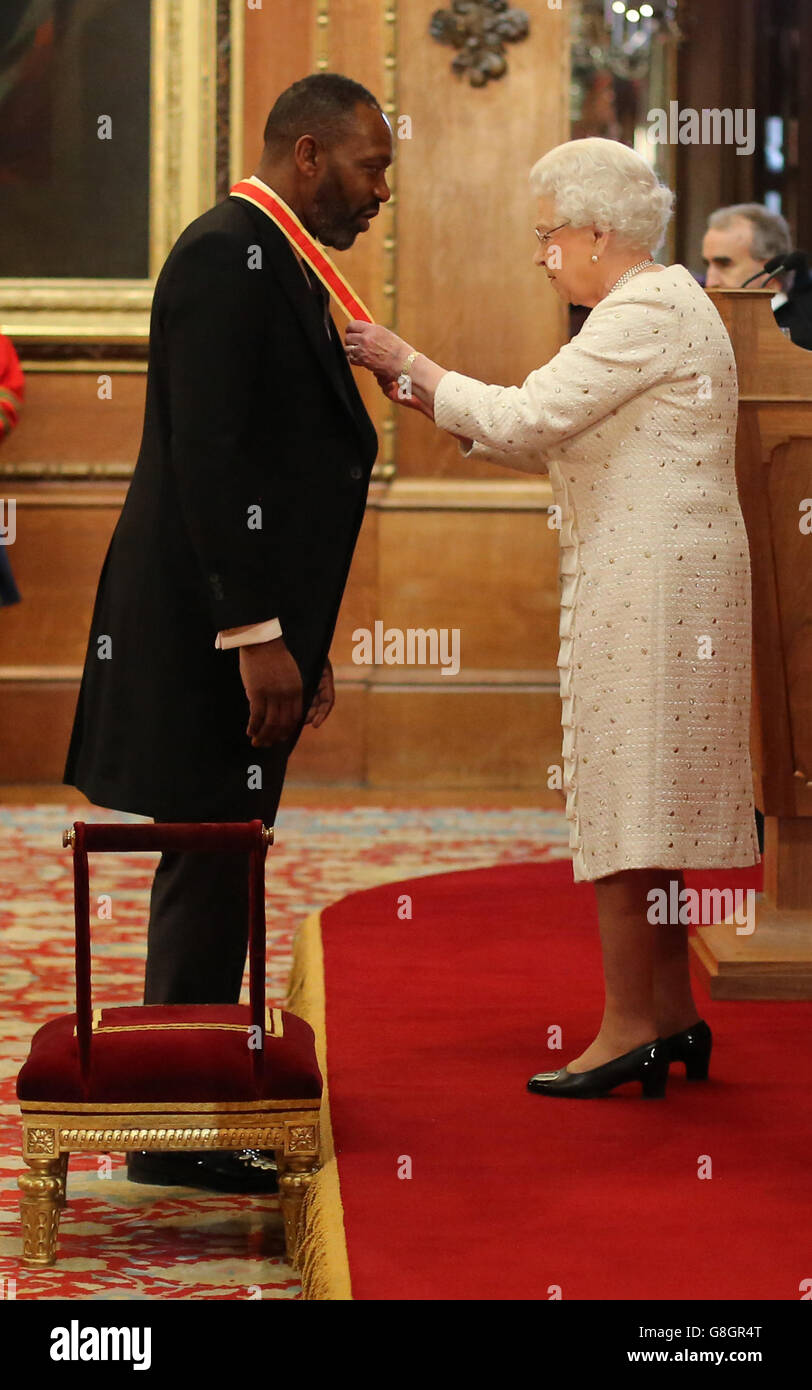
(635, 423)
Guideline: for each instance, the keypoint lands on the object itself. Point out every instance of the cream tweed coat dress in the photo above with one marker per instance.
(635, 422)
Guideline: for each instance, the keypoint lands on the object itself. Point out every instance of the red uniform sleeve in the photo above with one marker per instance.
(12, 387)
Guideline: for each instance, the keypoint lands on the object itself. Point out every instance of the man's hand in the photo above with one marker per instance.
(273, 684)
(323, 700)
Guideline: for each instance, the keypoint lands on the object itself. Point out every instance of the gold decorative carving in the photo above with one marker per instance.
(302, 1138)
(295, 1176)
(40, 1200)
(62, 1174)
(387, 467)
(55, 471)
(259, 1137)
(322, 46)
(40, 1141)
(293, 1136)
(237, 93)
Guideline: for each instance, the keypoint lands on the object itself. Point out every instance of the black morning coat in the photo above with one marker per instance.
(249, 405)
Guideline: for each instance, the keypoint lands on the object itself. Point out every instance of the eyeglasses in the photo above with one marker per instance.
(544, 237)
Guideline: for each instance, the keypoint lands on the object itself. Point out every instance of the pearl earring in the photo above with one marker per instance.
(594, 258)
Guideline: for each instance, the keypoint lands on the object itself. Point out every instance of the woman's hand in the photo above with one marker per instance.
(394, 392)
(383, 353)
(371, 346)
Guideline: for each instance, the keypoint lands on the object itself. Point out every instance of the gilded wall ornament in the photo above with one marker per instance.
(480, 30)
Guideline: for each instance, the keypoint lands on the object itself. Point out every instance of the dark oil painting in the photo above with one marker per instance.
(72, 204)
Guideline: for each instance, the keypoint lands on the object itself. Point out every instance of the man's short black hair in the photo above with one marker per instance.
(321, 105)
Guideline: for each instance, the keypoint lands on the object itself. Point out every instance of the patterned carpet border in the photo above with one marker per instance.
(117, 1240)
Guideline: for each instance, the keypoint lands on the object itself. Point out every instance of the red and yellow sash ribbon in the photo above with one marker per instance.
(307, 247)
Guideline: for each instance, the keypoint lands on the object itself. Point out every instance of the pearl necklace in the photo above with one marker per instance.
(629, 273)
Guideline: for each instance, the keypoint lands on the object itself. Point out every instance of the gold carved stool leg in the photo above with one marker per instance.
(40, 1203)
(295, 1176)
(62, 1174)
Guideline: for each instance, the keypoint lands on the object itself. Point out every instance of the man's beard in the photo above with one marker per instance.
(333, 221)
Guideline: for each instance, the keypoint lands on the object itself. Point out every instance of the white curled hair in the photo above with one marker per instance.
(601, 183)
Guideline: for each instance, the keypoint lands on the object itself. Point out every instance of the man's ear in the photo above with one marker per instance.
(306, 155)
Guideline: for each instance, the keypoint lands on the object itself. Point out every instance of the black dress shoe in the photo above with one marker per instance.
(213, 1170)
(693, 1047)
(647, 1064)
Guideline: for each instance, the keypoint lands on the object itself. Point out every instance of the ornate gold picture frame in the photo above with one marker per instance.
(182, 184)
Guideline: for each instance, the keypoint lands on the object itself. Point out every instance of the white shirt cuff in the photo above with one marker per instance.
(247, 636)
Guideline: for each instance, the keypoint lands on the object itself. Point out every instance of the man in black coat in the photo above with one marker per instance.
(220, 591)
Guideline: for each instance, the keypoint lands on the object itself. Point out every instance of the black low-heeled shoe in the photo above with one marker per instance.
(647, 1064)
(693, 1047)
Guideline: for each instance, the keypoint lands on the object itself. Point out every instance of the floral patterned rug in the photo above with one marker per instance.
(118, 1240)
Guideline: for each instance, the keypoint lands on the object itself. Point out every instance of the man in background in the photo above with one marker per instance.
(739, 241)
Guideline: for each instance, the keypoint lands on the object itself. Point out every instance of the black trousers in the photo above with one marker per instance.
(197, 938)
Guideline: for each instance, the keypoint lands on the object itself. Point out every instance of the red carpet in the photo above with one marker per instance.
(433, 1026)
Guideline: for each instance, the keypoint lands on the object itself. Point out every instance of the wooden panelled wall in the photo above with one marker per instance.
(717, 67)
(446, 544)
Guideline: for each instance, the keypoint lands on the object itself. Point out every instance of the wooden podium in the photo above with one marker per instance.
(774, 474)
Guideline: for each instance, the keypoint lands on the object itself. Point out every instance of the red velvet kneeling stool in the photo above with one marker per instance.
(167, 1077)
